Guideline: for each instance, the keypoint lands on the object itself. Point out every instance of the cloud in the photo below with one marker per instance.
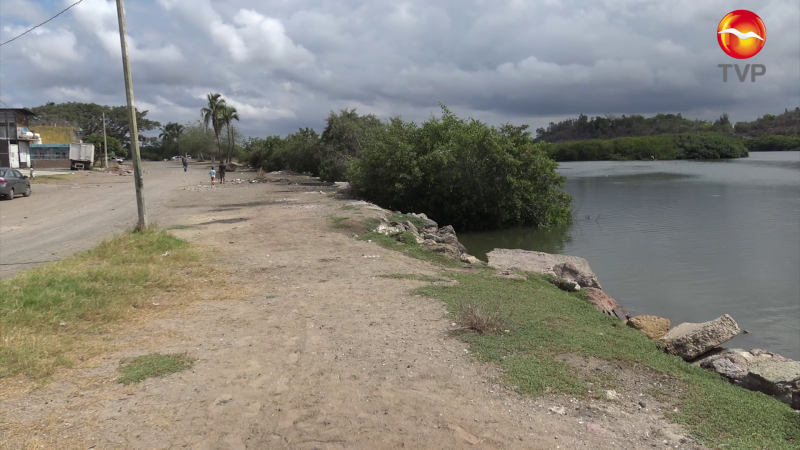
(286, 64)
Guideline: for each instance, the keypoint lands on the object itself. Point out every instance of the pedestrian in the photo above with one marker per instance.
(222, 173)
(185, 164)
(213, 174)
(33, 173)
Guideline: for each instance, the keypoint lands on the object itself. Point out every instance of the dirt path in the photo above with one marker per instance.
(319, 353)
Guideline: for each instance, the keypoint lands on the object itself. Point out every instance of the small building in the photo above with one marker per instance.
(15, 137)
(50, 156)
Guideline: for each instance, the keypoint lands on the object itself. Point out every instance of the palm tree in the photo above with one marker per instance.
(170, 134)
(227, 116)
(211, 115)
(177, 130)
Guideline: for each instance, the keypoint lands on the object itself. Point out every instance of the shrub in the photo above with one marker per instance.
(461, 172)
(773, 143)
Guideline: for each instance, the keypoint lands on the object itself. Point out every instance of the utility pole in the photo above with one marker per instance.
(105, 141)
(137, 161)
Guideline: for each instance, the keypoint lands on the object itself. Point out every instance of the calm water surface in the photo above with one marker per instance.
(686, 240)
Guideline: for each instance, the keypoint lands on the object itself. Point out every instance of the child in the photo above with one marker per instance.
(213, 174)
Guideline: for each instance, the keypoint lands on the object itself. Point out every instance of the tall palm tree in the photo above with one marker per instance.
(227, 116)
(211, 115)
(177, 130)
(170, 134)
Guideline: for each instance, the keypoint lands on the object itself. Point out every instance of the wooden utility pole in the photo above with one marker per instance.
(137, 161)
(105, 141)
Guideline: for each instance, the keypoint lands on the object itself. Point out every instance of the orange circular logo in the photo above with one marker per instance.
(741, 34)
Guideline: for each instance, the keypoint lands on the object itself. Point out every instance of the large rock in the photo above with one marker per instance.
(690, 340)
(601, 300)
(653, 326)
(561, 266)
(731, 364)
(777, 378)
(450, 250)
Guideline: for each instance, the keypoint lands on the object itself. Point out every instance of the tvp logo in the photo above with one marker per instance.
(741, 34)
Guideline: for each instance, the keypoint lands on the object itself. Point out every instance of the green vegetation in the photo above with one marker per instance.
(785, 124)
(773, 143)
(664, 147)
(545, 323)
(400, 218)
(339, 222)
(89, 118)
(49, 313)
(140, 368)
(407, 243)
(114, 145)
(411, 276)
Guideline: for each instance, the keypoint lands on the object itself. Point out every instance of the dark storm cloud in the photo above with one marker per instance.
(287, 64)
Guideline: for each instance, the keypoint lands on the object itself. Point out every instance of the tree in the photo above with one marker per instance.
(197, 140)
(171, 135)
(211, 115)
(114, 145)
(89, 118)
(227, 115)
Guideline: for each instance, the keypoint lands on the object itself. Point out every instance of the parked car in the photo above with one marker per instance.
(13, 183)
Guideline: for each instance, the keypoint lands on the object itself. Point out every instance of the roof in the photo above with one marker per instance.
(25, 111)
(49, 145)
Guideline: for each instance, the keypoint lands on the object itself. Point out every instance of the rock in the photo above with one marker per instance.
(730, 365)
(411, 227)
(558, 410)
(389, 230)
(446, 230)
(690, 340)
(601, 300)
(469, 259)
(561, 266)
(430, 226)
(781, 379)
(653, 326)
(612, 395)
(449, 250)
(509, 275)
(566, 285)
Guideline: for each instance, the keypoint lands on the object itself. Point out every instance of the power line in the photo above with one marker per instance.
(37, 26)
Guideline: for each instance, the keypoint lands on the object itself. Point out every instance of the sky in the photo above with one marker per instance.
(286, 64)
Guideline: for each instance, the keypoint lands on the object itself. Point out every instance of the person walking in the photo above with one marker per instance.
(222, 169)
(185, 164)
(213, 174)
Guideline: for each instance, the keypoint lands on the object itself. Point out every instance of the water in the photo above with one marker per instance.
(686, 240)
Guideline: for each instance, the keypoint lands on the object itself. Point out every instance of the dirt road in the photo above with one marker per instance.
(72, 215)
(319, 352)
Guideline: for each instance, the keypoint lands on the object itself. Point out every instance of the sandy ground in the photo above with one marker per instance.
(317, 352)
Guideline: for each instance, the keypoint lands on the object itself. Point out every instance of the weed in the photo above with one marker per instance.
(179, 227)
(349, 208)
(339, 222)
(411, 249)
(480, 318)
(411, 276)
(137, 369)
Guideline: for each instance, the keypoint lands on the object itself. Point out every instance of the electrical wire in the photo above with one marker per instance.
(37, 26)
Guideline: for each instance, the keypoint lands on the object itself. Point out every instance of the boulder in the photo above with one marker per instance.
(389, 230)
(430, 226)
(601, 300)
(449, 250)
(780, 379)
(731, 364)
(469, 259)
(690, 340)
(653, 326)
(561, 266)
(446, 230)
(509, 275)
(566, 285)
(411, 227)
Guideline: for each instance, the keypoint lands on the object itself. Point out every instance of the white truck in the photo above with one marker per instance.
(81, 156)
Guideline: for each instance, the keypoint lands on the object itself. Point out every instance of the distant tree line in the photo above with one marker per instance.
(586, 138)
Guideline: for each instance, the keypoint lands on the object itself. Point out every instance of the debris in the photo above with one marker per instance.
(558, 410)
(165, 254)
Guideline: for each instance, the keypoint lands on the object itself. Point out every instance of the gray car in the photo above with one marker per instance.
(13, 183)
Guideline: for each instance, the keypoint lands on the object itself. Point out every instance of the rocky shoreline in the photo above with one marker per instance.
(700, 344)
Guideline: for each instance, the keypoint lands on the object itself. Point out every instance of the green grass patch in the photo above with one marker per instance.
(348, 208)
(545, 323)
(179, 227)
(140, 368)
(51, 179)
(50, 312)
(411, 276)
(400, 218)
(340, 222)
(406, 242)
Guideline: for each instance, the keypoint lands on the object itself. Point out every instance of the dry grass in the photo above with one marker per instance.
(54, 179)
(481, 319)
(64, 314)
